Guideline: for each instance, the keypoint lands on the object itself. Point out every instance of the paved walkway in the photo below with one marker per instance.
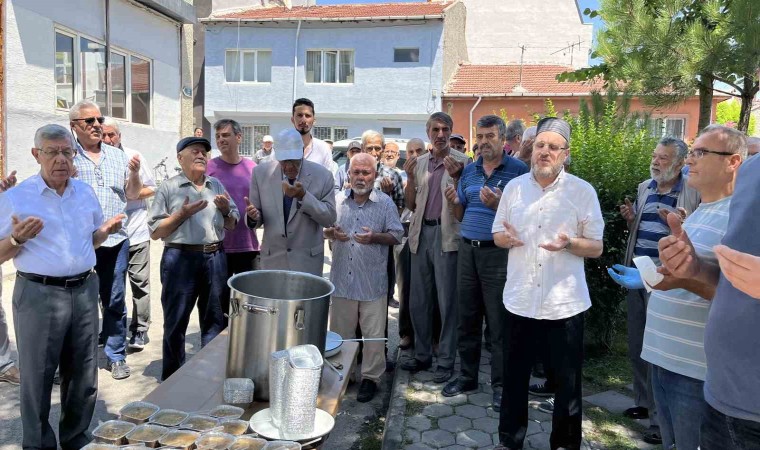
(420, 418)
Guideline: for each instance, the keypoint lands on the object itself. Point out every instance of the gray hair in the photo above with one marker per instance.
(515, 128)
(439, 117)
(371, 134)
(681, 148)
(736, 141)
(418, 141)
(529, 133)
(753, 141)
(53, 132)
(79, 106)
(222, 123)
(111, 122)
(492, 120)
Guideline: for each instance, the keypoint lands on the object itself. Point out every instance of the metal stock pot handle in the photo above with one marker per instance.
(258, 309)
(299, 316)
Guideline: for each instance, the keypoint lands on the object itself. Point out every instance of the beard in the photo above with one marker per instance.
(304, 130)
(546, 172)
(361, 191)
(665, 175)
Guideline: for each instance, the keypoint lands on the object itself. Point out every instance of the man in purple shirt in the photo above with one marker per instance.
(240, 245)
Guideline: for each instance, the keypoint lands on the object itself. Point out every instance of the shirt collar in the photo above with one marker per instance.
(373, 195)
(554, 183)
(184, 180)
(41, 186)
(504, 159)
(676, 187)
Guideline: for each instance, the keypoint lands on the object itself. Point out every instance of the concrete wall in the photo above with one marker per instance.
(381, 88)
(496, 29)
(229, 4)
(30, 47)
(454, 44)
(524, 108)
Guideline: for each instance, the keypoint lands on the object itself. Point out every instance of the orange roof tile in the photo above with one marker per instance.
(473, 79)
(378, 10)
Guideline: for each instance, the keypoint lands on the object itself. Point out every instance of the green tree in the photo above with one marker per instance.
(666, 50)
(728, 113)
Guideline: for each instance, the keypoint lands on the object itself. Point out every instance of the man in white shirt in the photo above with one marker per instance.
(138, 267)
(50, 225)
(314, 150)
(550, 221)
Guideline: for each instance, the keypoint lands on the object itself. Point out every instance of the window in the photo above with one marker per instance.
(668, 127)
(391, 131)
(332, 133)
(253, 136)
(64, 70)
(406, 55)
(248, 65)
(330, 66)
(131, 78)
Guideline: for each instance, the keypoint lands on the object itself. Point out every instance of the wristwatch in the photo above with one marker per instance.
(15, 242)
(569, 244)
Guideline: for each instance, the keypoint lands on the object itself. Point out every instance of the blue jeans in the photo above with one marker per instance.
(111, 268)
(185, 277)
(680, 404)
(722, 432)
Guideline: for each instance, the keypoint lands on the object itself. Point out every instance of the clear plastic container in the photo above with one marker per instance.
(137, 412)
(282, 445)
(99, 446)
(112, 432)
(147, 434)
(235, 427)
(215, 440)
(226, 412)
(168, 417)
(199, 423)
(248, 443)
(179, 439)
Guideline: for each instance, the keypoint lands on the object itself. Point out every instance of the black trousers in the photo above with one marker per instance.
(236, 263)
(565, 342)
(482, 273)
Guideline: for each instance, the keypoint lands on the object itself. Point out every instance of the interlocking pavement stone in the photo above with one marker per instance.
(423, 396)
(473, 438)
(471, 411)
(486, 424)
(539, 441)
(480, 399)
(412, 436)
(456, 400)
(438, 438)
(455, 424)
(418, 446)
(418, 422)
(533, 428)
(438, 410)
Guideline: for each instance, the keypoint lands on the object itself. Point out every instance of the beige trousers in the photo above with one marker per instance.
(371, 317)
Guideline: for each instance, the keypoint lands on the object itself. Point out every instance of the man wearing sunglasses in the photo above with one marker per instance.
(294, 200)
(116, 179)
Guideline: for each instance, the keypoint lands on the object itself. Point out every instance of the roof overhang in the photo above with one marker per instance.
(178, 10)
(233, 20)
(519, 94)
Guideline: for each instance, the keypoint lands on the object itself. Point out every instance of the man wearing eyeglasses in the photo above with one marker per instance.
(550, 221)
(51, 226)
(481, 265)
(191, 214)
(668, 191)
(115, 179)
(294, 200)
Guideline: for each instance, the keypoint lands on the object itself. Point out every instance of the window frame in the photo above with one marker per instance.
(338, 51)
(419, 56)
(77, 73)
(253, 127)
(662, 131)
(333, 129)
(241, 68)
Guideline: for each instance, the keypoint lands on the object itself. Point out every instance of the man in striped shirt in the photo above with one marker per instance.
(678, 308)
(666, 191)
(481, 265)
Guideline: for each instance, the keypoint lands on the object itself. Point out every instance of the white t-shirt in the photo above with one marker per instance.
(542, 284)
(137, 210)
(319, 152)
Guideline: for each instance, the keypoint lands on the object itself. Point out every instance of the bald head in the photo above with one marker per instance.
(363, 159)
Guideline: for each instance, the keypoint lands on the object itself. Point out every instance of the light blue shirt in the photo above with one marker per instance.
(675, 330)
(64, 246)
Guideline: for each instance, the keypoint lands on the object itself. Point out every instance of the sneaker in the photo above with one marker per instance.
(547, 406)
(119, 369)
(652, 437)
(138, 340)
(11, 376)
(540, 390)
(367, 391)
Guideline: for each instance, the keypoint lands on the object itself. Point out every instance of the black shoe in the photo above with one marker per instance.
(101, 340)
(390, 366)
(541, 390)
(119, 369)
(496, 400)
(442, 375)
(394, 303)
(652, 437)
(138, 340)
(367, 391)
(547, 406)
(637, 412)
(459, 386)
(414, 365)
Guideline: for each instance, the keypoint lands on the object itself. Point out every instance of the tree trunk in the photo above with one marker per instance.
(751, 87)
(705, 100)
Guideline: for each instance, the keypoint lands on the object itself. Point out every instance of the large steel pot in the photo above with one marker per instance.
(273, 310)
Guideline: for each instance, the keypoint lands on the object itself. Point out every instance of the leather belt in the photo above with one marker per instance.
(478, 244)
(71, 282)
(431, 222)
(202, 248)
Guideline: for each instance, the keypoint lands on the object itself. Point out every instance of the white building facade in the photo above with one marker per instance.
(364, 68)
(56, 56)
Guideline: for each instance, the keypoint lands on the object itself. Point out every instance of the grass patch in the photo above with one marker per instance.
(610, 371)
(371, 437)
(607, 429)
